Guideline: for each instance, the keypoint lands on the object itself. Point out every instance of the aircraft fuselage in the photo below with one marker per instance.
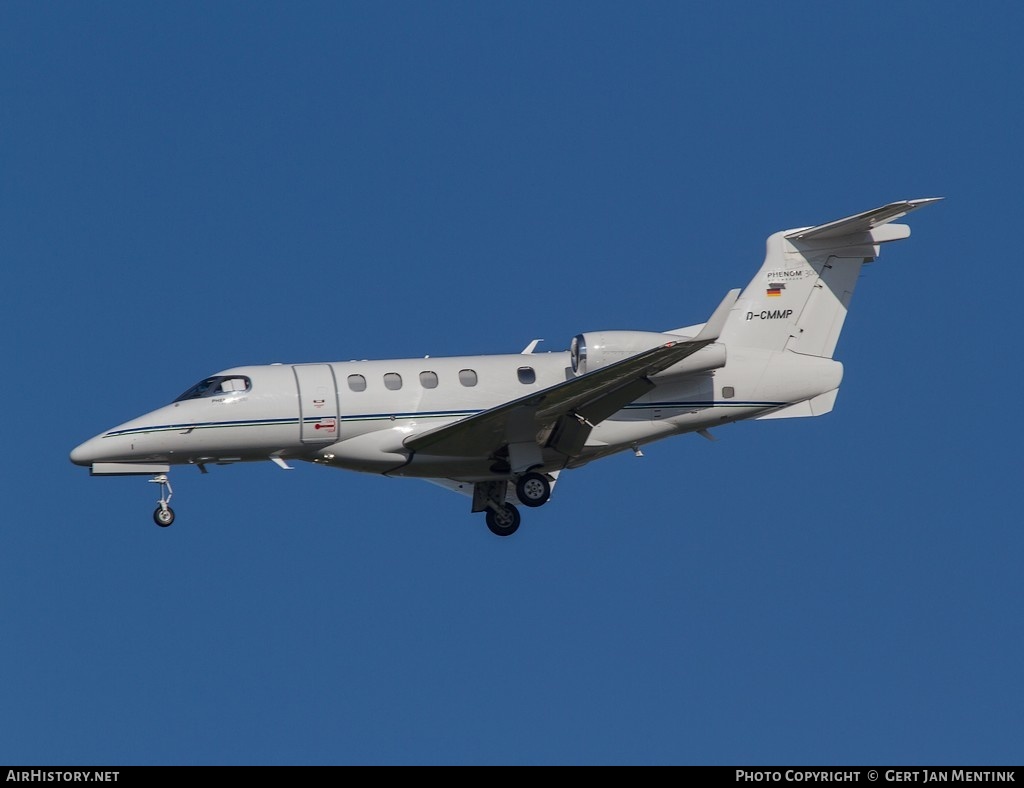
(357, 414)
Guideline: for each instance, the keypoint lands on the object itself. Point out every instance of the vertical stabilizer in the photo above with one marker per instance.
(799, 298)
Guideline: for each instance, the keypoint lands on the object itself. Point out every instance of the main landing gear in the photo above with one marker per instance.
(503, 518)
(533, 489)
(164, 514)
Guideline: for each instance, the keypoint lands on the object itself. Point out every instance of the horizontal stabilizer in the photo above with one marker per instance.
(862, 222)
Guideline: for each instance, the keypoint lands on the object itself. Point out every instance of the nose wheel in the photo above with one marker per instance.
(163, 515)
(504, 520)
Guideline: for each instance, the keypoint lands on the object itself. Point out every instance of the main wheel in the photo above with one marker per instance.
(533, 489)
(163, 517)
(503, 522)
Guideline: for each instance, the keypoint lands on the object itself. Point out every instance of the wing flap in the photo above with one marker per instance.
(569, 435)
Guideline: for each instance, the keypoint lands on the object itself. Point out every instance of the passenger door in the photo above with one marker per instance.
(318, 403)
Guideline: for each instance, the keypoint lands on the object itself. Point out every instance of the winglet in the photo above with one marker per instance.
(713, 328)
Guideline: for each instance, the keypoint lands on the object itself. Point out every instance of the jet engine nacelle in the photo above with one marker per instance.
(597, 349)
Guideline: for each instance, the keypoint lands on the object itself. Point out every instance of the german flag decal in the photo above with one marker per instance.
(775, 290)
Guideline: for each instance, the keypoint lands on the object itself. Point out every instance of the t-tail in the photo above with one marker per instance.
(799, 299)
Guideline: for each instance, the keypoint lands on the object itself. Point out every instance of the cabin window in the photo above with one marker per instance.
(357, 382)
(217, 386)
(526, 375)
(728, 392)
(392, 381)
(467, 377)
(428, 380)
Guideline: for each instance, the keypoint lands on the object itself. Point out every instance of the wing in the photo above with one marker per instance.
(562, 416)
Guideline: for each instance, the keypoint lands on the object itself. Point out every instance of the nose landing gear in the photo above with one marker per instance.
(164, 514)
(504, 520)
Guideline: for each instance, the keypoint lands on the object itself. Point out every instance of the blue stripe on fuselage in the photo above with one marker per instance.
(435, 414)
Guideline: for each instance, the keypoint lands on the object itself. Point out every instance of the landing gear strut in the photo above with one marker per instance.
(164, 514)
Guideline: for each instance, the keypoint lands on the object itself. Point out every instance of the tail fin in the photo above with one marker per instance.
(799, 299)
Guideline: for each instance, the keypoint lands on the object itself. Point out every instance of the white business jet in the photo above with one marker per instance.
(501, 428)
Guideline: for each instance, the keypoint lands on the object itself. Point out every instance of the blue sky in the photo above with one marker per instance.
(192, 186)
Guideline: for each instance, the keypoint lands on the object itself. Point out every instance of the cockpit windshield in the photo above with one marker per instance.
(218, 385)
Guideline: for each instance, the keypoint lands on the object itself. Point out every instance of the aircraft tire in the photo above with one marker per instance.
(533, 489)
(504, 523)
(163, 517)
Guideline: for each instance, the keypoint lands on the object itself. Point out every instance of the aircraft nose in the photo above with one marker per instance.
(86, 453)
